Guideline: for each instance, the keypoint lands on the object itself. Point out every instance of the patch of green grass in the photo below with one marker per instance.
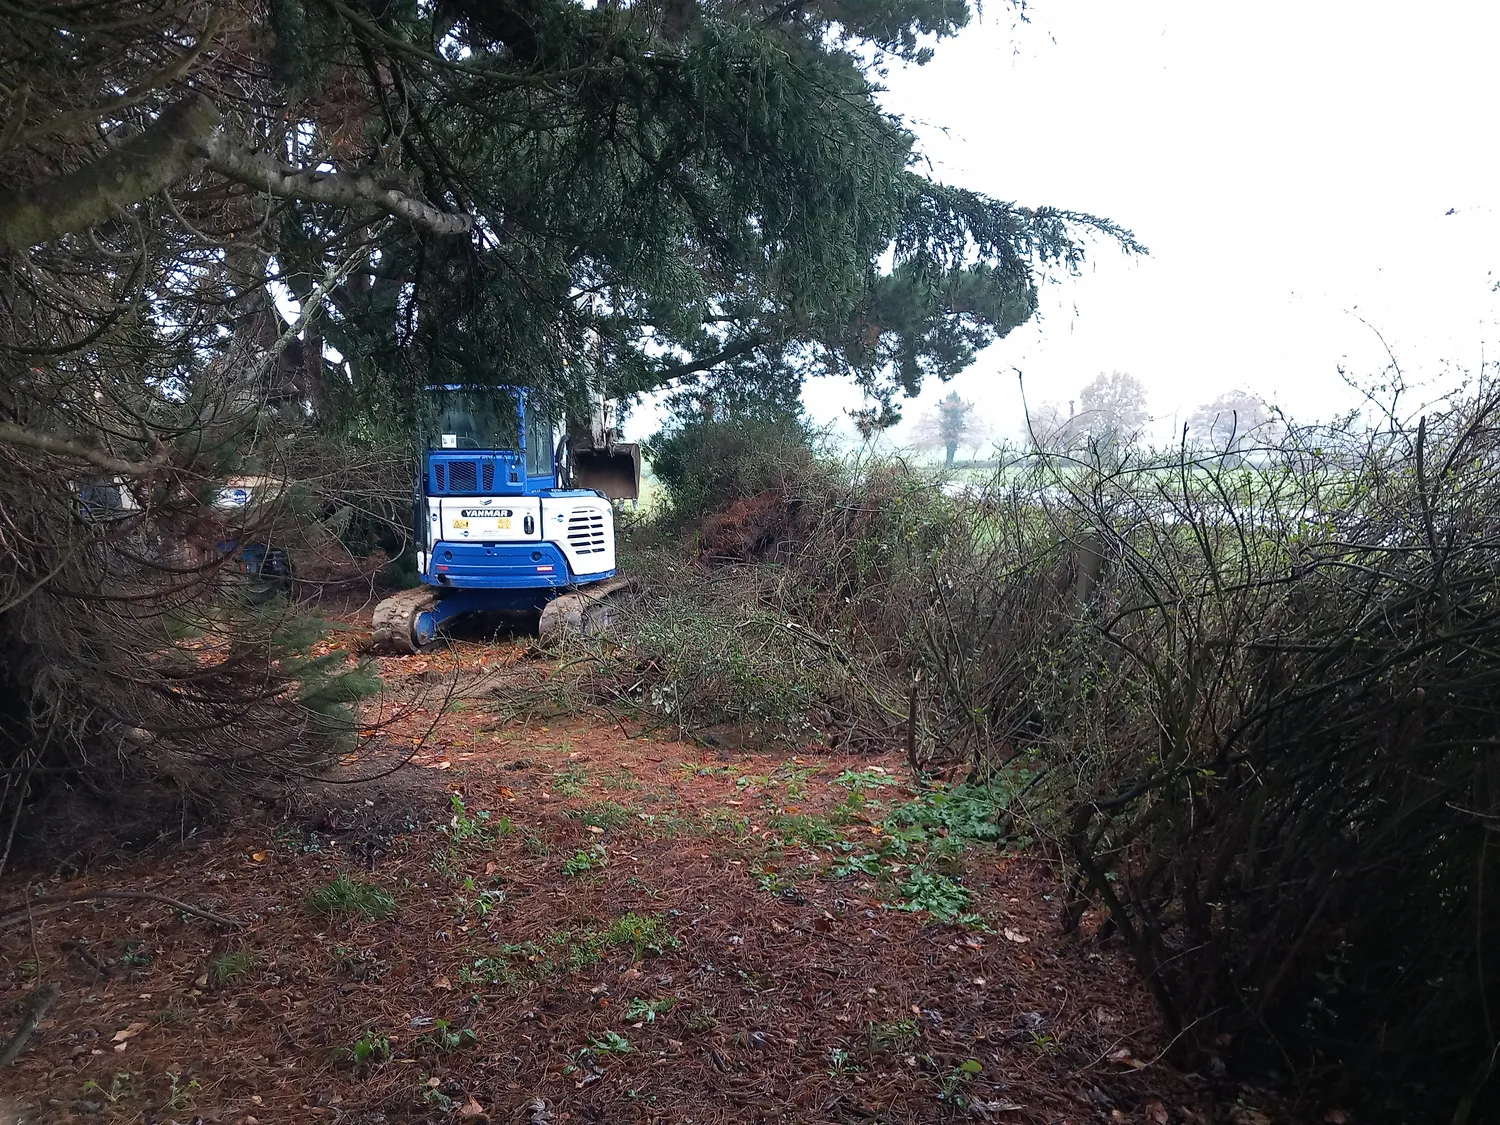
(856, 780)
(704, 769)
(570, 780)
(643, 933)
(532, 844)
(564, 950)
(352, 896)
(489, 971)
(618, 779)
(801, 828)
(591, 858)
(664, 826)
(230, 967)
(727, 822)
(603, 814)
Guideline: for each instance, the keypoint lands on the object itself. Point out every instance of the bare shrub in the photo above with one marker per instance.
(1255, 689)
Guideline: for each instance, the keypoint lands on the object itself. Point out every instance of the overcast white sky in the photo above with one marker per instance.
(1290, 166)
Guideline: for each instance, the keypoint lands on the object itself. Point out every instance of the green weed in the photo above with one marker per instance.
(443, 1040)
(488, 971)
(727, 822)
(352, 896)
(966, 814)
(646, 1011)
(603, 814)
(135, 954)
(952, 1085)
(793, 778)
(369, 1048)
(464, 826)
(230, 967)
(644, 933)
(800, 828)
(591, 858)
(181, 1094)
(482, 902)
(618, 779)
(773, 883)
(703, 769)
(853, 809)
(855, 863)
(570, 780)
(857, 780)
(610, 1043)
(937, 894)
(895, 1035)
(119, 1086)
(841, 1063)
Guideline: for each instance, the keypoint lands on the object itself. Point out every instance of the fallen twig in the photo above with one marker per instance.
(37, 1007)
(81, 951)
(54, 903)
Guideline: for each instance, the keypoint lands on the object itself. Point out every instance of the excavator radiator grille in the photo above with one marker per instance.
(473, 475)
(463, 476)
(586, 532)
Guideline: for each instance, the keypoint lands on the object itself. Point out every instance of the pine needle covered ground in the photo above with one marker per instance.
(546, 920)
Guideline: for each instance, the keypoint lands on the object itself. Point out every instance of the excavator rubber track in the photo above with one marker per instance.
(395, 620)
(590, 610)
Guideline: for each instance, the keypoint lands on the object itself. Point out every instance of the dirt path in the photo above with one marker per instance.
(556, 922)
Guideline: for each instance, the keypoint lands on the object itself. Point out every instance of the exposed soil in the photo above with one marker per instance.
(700, 927)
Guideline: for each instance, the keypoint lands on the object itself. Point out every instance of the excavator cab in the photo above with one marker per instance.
(507, 521)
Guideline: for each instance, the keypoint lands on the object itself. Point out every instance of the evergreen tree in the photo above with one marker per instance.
(952, 423)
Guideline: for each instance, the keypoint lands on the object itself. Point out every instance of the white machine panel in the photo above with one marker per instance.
(584, 528)
(486, 519)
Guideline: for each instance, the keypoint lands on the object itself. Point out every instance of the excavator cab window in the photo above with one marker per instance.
(538, 440)
(472, 419)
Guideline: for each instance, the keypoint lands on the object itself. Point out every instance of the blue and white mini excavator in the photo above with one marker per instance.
(513, 517)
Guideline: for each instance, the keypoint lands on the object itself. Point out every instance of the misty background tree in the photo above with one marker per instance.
(1234, 423)
(952, 424)
(1109, 411)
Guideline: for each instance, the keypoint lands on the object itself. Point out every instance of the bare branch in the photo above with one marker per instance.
(156, 157)
(22, 438)
(181, 140)
(264, 172)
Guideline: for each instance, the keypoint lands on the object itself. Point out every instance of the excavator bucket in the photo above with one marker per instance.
(614, 470)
